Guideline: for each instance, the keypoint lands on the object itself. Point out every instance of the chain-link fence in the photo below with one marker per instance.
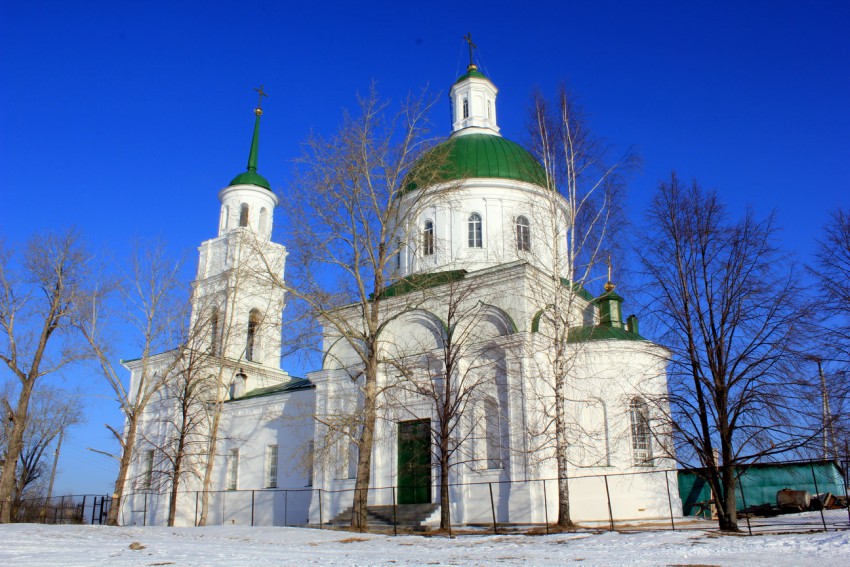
(789, 496)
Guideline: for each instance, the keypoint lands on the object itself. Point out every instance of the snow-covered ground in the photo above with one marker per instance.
(68, 546)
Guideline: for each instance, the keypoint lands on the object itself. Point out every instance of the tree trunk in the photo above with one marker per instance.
(561, 446)
(175, 480)
(364, 457)
(445, 512)
(127, 448)
(13, 452)
(213, 446)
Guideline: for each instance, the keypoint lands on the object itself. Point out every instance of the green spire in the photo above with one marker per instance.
(251, 177)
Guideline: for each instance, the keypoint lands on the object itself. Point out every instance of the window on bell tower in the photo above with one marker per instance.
(251, 340)
(465, 108)
(243, 215)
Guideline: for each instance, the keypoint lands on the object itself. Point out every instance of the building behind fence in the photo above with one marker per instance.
(503, 505)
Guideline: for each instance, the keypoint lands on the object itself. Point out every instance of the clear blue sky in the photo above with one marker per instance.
(126, 118)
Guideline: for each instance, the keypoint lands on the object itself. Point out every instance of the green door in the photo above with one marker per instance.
(414, 462)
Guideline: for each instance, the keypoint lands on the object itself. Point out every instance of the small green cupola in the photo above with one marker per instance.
(251, 177)
(610, 307)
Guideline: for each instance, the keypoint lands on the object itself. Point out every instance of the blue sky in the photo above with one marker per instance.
(126, 118)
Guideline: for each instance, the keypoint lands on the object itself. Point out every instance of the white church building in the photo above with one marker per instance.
(476, 256)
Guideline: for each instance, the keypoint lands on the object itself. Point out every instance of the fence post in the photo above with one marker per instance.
(492, 507)
(744, 501)
(608, 497)
(545, 507)
(145, 511)
(285, 507)
(197, 494)
(252, 508)
(669, 500)
(93, 509)
(321, 521)
(815, 479)
(395, 519)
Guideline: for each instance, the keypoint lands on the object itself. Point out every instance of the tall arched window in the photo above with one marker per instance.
(475, 239)
(243, 215)
(225, 217)
(492, 434)
(428, 238)
(214, 330)
(523, 234)
(641, 435)
(264, 220)
(465, 108)
(253, 330)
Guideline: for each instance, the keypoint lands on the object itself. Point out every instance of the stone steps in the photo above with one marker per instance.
(407, 515)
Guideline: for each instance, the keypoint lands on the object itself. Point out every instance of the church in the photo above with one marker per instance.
(477, 277)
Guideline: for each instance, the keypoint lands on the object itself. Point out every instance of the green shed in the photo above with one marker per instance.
(761, 482)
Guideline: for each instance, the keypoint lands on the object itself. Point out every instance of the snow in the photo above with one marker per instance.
(68, 546)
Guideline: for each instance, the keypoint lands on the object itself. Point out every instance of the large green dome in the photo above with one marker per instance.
(476, 155)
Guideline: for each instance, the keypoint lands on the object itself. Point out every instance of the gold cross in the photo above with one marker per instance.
(468, 38)
(260, 94)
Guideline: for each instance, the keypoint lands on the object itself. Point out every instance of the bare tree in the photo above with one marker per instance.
(52, 411)
(452, 377)
(730, 303)
(150, 298)
(38, 292)
(579, 216)
(348, 187)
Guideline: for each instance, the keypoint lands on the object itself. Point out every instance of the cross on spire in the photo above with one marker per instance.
(260, 94)
(468, 38)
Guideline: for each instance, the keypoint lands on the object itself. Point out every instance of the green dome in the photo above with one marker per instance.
(476, 155)
(251, 178)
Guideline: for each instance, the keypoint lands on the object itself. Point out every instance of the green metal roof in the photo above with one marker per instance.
(251, 177)
(473, 73)
(291, 386)
(475, 156)
(421, 281)
(600, 333)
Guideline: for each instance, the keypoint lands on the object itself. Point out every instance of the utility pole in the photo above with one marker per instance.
(828, 436)
(55, 463)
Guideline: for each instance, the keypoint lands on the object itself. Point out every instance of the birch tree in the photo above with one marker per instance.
(580, 216)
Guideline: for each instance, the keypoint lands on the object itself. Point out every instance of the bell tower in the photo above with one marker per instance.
(238, 296)
(473, 98)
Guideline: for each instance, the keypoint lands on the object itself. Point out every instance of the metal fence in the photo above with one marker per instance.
(70, 509)
(678, 500)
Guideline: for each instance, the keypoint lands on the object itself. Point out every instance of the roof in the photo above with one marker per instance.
(601, 333)
(470, 74)
(475, 156)
(421, 281)
(251, 178)
(292, 386)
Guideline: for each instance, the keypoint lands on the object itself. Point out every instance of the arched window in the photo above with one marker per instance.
(214, 331)
(243, 215)
(264, 220)
(225, 217)
(523, 234)
(475, 240)
(492, 434)
(428, 238)
(465, 108)
(641, 435)
(253, 330)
